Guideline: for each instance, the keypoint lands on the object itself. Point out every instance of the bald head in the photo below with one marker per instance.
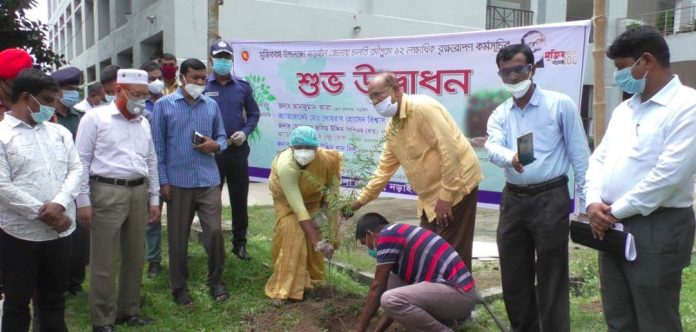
(383, 85)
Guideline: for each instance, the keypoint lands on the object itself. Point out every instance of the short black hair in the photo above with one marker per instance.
(369, 222)
(94, 88)
(33, 81)
(508, 52)
(634, 42)
(168, 56)
(192, 63)
(109, 73)
(149, 66)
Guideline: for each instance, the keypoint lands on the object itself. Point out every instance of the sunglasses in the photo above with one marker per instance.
(517, 70)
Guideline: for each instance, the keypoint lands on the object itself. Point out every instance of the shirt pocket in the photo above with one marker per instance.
(647, 144)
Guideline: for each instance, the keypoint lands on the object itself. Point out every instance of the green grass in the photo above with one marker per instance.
(246, 280)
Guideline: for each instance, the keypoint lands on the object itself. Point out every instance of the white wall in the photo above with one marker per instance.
(335, 19)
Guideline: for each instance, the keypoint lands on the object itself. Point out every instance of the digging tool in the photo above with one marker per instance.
(497, 320)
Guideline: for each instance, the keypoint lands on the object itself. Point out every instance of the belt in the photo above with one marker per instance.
(533, 189)
(118, 182)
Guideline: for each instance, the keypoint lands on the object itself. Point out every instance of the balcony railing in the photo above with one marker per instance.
(669, 22)
(500, 17)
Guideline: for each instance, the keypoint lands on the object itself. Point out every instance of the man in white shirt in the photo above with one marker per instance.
(641, 175)
(120, 173)
(39, 179)
(94, 98)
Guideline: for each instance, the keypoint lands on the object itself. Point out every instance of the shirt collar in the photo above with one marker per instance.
(534, 101)
(211, 78)
(663, 96)
(403, 107)
(115, 112)
(14, 122)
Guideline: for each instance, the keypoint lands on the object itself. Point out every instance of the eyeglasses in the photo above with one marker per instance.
(136, 95)
(517, 70)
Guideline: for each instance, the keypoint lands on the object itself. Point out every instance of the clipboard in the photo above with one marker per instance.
(616, 241)
(525, 149)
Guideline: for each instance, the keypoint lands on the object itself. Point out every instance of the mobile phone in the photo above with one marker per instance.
(197, 138)
(525, 149)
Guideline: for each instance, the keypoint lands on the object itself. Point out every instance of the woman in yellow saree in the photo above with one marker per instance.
(301, 177)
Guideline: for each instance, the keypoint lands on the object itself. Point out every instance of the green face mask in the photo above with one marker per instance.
(372, 252)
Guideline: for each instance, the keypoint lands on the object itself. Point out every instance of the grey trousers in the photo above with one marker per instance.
(180, 210)
(643, 295)
(119, 218)
(425, 306)
(533, 245)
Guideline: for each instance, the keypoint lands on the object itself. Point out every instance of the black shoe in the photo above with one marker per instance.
(105, 328)
(154, 270)
(241, 253)
(135, 320)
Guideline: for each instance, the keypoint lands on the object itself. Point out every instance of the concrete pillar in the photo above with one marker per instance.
(615, 9)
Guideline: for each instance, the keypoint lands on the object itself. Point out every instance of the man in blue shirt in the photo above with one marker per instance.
(153, 235)
(240, 114)
(188, 131)
(535, 202)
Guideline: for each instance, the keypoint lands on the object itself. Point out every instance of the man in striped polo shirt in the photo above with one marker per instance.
(420, 280)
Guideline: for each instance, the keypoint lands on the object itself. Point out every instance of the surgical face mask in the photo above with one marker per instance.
(70, 98)
(110, 98)
(222, 66)
(135, 106)
(518, 90)
(44, 114)
(303, 156)
(386, 108)
(624, 79)
(194, 90)
(156, 87)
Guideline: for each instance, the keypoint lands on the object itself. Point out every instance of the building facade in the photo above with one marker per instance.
(92, 34)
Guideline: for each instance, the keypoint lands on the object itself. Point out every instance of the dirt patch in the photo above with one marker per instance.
(323, 310)
(593, 306)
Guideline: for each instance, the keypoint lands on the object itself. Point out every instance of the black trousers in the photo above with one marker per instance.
(234, 167)
(40, 266)
(533, 245)
(79, 258)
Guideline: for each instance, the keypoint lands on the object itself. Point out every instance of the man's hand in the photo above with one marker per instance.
(165, 192)
(347, 211)
(62, 225)
(443, 213)
(355, 206)
(154, 214)
(324, 248)
(238, 138)
(517, 164)
(51, 212)
(208, 146)
(600, 219)
(84, 217)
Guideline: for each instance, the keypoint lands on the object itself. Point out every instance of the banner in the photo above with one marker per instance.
(324, 85)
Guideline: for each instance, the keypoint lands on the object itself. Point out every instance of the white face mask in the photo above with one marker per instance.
(386, 108)
(156, 87)
(518, 90)
(194, 90)
(303, 156)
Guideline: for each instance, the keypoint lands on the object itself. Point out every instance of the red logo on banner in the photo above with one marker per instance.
(245, 55)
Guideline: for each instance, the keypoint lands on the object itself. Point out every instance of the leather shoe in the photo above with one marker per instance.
(135, 320)
(241, 253)
(105, 328)
(154, 269)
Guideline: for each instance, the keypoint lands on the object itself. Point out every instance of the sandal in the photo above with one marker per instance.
(183, 298)
(219, 292)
